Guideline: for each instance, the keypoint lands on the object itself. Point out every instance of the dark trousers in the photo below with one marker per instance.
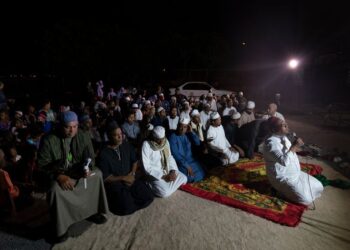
(124, 200)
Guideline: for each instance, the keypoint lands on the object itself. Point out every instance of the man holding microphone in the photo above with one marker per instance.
(63, 155)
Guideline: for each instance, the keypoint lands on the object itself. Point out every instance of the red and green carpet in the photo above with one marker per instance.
(244, 185)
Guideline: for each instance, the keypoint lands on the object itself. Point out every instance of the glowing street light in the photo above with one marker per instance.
(293, 63)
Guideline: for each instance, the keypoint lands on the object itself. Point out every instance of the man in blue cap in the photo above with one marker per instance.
(74, 194)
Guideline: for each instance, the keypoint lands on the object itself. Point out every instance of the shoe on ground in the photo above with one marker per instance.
(97, 219)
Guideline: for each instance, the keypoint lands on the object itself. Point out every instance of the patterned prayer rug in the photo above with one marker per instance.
(244, 185)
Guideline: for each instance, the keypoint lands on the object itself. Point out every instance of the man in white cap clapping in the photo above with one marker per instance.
(217, 142)
(160, 165)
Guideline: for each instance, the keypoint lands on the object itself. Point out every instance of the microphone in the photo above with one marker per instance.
(86, 171)
(295, 137)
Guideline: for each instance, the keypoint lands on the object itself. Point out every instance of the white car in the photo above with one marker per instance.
(196, 89)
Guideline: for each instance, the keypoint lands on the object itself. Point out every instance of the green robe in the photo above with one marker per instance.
(69, 207)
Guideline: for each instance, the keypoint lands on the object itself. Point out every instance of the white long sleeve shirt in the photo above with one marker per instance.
(284, 172)
(152, 161)
(173, 122)
(217, 140)
(281, 164)
(228, 111)
(205, 118)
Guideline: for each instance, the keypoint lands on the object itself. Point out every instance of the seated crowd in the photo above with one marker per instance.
(116, 153)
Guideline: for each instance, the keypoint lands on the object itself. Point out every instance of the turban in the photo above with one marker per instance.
(84, 118)
(69, 116)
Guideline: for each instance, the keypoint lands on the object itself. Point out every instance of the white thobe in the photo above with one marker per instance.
(228, 111)
(173, 122)
(205, 118)
(245, 118)
(219, 144)
(185, 114)
(213, 106)
(138, 115)
(284, 172)
(152, 164)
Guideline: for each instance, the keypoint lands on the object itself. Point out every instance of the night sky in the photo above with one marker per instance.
(135, 42)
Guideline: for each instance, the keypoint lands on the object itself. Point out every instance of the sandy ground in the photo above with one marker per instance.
(184, 221)
(312, 130)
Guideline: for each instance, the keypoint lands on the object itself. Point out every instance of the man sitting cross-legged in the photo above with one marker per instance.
(159, 164)
(180, 144)
(217, 142)
(118, 163)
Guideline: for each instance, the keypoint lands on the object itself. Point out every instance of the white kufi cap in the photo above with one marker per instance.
(159, 132)
(160, 109)
(250, 105)
(235, 116)
(184, 120)
(214, 115)
(195, 112)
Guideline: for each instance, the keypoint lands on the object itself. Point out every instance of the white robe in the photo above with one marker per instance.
(219, 145)
(245, 118)
(205, 117)
(152, 164)
(228, 111)
(213, 106)
(285, 175)
(173, 122)
(185, 114)
(138, 115)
